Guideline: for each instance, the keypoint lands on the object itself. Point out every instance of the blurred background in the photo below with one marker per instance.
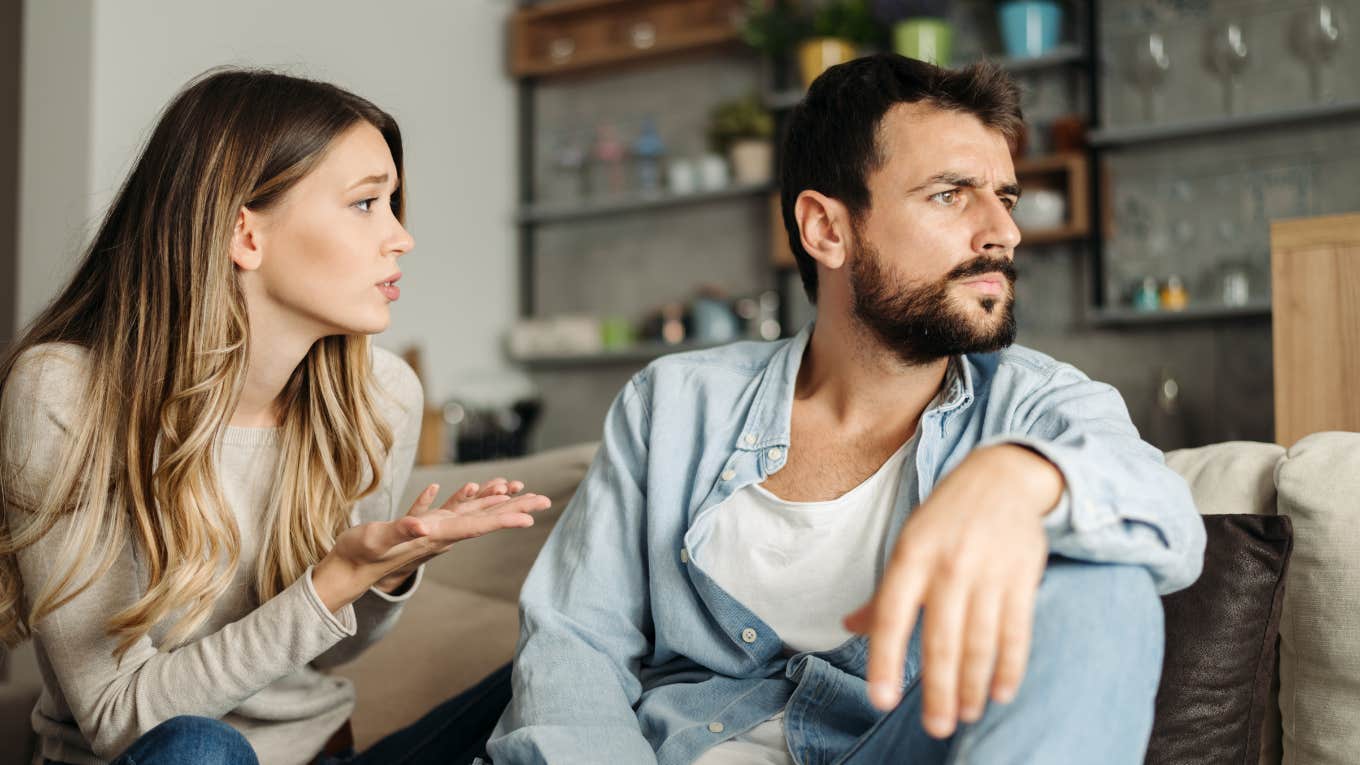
(590, 181)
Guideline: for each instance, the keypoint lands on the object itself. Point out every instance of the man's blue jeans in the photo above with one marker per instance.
(1088, 691)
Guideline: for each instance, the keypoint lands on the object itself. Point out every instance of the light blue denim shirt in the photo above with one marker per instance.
(630, 653)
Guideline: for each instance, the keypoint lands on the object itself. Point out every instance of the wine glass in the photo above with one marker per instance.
(1148, 70)
(1226, 55)
(1316, 35)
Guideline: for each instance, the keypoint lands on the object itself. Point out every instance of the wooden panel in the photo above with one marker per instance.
(1315, 284)
(576, 35)
(1064, 172)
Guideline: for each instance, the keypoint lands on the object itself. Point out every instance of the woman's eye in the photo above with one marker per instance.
(365, 204)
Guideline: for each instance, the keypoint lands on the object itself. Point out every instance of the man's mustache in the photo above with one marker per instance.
(983, 265)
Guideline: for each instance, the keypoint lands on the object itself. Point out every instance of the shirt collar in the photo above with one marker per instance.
(767, 424)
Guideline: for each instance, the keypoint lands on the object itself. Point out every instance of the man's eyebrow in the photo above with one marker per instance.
(380, 179)
(964, 181)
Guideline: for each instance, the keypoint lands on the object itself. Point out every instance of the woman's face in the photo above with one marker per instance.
(326, 254)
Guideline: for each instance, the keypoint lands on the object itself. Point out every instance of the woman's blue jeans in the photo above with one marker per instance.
(454, 732)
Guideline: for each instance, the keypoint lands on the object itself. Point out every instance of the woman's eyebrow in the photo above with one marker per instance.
(380, 179)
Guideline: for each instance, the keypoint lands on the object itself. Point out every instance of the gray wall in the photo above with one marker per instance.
(11, 59)
(1208, 201)
(97, 74)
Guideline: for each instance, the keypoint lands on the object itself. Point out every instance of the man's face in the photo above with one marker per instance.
(931, 270)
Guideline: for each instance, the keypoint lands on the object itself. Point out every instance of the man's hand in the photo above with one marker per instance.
(972, 556)
(387, 552)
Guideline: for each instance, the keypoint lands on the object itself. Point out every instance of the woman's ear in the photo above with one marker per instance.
(823, 223)
(246, 251)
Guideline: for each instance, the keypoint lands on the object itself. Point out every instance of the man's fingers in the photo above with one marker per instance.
(981, 637)
(895, 606)
(1017, 625)
(941, 651)
(861, 620)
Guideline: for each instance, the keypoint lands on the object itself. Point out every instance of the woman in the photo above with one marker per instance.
(201, 451)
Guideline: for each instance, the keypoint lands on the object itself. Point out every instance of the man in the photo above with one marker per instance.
(740, 575)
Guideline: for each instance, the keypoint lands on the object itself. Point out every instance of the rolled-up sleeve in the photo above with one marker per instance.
(1121, 503)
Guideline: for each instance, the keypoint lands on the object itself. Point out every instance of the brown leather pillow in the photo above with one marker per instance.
(1221, 636)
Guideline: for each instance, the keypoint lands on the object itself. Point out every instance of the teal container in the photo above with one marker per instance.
(1029, 28)
(925, 39)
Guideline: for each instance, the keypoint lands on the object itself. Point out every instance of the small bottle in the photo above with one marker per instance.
(648, 150)
(608, 154)
(1146, 299)
(1174, 296)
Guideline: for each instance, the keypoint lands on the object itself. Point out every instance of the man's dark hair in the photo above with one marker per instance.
(831, 138)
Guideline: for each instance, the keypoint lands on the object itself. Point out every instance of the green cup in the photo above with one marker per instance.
(617, 333)
(925, 39)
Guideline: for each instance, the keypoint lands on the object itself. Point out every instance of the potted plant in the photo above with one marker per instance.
(920, 28)
(742, 129)
(773, 27)
(838, 29)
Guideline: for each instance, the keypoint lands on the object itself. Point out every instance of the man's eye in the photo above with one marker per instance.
(952, 195)
(365, 204)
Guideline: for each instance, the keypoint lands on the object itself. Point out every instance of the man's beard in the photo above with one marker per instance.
(920, 323)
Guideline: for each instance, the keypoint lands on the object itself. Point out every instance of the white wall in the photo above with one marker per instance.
(436, 65)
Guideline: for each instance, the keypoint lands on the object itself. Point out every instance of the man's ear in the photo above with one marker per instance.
(824, 225)
(246, 250)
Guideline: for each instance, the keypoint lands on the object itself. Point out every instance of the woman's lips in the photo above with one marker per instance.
(390, 291)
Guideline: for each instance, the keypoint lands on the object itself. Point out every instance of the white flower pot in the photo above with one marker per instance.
(752, 161)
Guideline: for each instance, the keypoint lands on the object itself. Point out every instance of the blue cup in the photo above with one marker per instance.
(1030, 28)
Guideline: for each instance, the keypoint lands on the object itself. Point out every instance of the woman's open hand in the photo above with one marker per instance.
(386, 553)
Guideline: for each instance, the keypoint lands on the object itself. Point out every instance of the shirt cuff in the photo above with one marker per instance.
(1076, 511)
(342, 621)
(405, 591)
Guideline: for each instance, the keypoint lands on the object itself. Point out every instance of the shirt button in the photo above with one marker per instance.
(776, 454)
(715, 727)
(728, 475)
(748, 635)
(684, 555)
(749, 439)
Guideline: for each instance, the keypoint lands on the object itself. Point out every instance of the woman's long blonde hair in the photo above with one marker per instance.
(157, 307)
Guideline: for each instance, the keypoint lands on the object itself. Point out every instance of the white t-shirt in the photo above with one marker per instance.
(801, 567)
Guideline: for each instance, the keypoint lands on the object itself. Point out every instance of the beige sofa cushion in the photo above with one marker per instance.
(496, 565)
(463, 622)
(446, 641)
(1319, 486)
(1232, 477)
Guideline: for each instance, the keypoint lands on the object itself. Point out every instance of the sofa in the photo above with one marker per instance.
(464, 621)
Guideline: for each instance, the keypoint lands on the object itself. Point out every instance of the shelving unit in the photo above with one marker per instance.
(1125, 317)
(640, 353)
(1133, 136)
(552, 213)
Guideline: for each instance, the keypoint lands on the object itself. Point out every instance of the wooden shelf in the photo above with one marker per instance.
(1111, 317)
(1062, 55)
(549, 212)
(641, 353)
(1066, 172)
(1142, 134)
(578, 35)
